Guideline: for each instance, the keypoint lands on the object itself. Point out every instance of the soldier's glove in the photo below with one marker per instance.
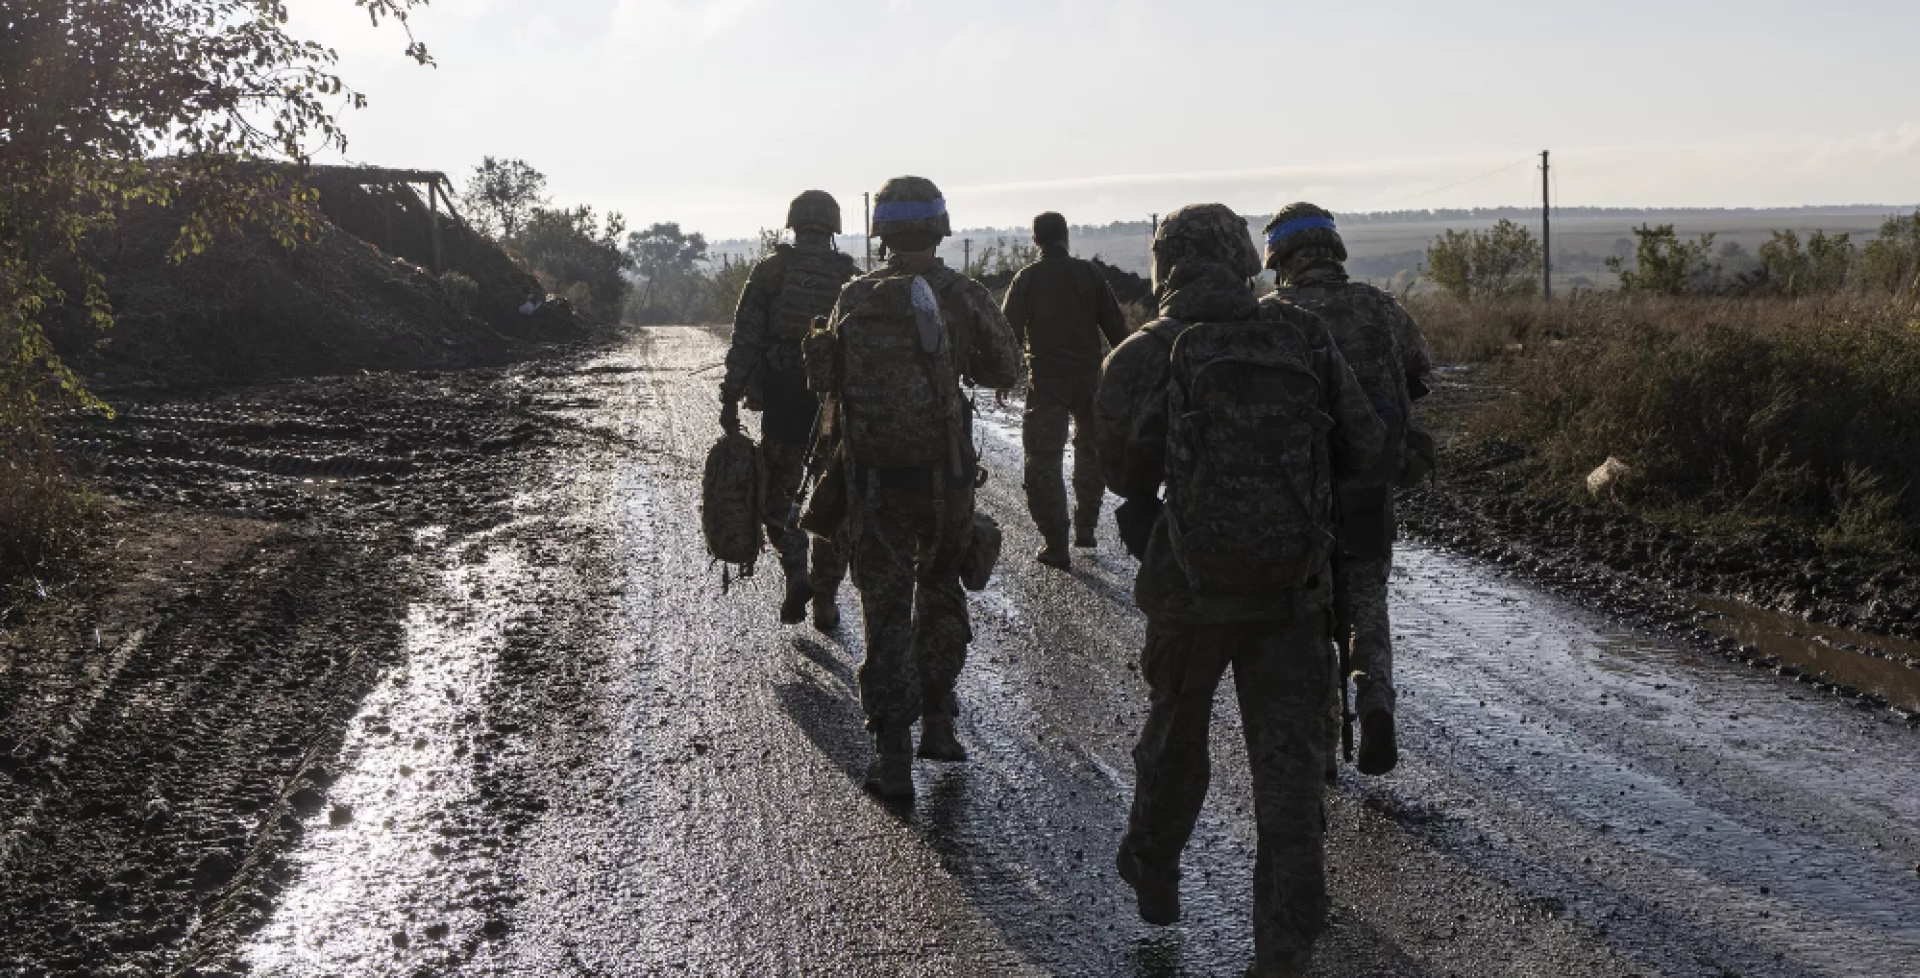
(1135, 519)
(730, 416)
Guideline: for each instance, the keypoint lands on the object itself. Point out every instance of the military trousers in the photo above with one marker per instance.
(1283, 675)
(1052, 404)
(907, 550)
(1360, 599)
(819, 559)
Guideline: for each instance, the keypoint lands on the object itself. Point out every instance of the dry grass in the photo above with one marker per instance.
(1805, 411)
(43, 512)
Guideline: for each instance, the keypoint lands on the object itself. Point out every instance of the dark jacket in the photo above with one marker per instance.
(1064, 315)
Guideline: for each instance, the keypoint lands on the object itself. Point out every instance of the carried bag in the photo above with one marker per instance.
(983, 553)
(1420, 459)
(1249, 488)
(733, 492)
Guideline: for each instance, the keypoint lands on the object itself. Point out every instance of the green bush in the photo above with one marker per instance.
(1500, 262)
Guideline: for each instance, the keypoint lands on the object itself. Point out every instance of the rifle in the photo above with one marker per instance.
(1342, 624)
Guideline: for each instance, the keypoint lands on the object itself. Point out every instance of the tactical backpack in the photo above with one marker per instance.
(1358, 317)
(733, 492)
(899, 394)
(1249, 489)
(809, 285)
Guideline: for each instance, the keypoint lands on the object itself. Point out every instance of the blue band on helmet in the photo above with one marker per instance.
(1298, 225)
(910, 210)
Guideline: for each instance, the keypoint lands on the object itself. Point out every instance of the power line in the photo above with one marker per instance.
(1483, 176)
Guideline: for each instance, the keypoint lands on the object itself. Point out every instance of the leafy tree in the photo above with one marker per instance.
(666, 259)
(1003, 255)
(572, 249)
(1820, 268)
(1891, 262)
(91, 91)
(1499, 262)
(1665, 265)
(503, 194)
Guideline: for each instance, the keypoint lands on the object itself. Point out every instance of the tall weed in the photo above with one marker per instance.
(1806, 410)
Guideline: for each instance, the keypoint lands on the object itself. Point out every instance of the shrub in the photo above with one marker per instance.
(42, 510)
(1820, 268)
(1665, 265)
(579, 255)
(1807, 411)
(1891, 262)
(462, 291)
(1500, 262)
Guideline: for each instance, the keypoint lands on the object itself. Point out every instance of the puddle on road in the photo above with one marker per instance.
(385, 869)
(1873, 664)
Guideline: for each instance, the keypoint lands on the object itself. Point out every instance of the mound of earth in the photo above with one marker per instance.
(249, 309)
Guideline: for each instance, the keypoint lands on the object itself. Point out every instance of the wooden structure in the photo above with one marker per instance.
(439, 191)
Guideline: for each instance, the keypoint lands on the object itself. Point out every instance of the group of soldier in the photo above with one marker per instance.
(1254, 443)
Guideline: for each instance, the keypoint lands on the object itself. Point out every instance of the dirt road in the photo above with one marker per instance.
(570, 754)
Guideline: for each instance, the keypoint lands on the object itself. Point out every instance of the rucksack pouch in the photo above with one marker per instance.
(983, 553)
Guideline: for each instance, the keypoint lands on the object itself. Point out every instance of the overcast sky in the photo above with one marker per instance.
(714, 113)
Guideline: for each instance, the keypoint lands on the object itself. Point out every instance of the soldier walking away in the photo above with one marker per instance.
(893, 359)
(1064, 315)
(1389, 357)
(783, 295)
(1245, 414)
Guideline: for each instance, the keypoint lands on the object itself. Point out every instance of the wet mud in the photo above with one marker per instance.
(503, 721)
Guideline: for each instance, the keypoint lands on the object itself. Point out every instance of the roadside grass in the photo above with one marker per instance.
(1730, 412)
(44, 513)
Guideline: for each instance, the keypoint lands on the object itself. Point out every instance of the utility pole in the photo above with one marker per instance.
(866, 207)
(1546, 231)
(966, 256)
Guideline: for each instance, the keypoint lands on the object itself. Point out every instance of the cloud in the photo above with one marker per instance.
(661, 23)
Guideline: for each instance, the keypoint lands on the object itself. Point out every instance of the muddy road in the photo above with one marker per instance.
(492, 716)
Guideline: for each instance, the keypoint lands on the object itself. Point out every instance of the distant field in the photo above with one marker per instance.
(1384, 247)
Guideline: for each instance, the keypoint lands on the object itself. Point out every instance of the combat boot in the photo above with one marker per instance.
(1053, 552)
(1083, 533)
(891, 774)
(937, 742)
(793, 610)
(1378, 750)
(826, 610)
(1155, 892)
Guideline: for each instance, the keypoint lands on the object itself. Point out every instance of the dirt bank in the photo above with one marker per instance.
(1485, 503)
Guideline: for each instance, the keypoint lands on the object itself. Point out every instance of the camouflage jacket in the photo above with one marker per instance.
(1131, 421)
(1380, 341)
(783, 294)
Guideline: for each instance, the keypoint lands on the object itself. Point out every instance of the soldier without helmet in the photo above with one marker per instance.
(1064, 314)
(1244, 414)
(782, 296)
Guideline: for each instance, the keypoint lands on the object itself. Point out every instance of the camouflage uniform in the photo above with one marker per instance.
(782, 296)
(1277, 643)
(1389, 357)
(910, 524)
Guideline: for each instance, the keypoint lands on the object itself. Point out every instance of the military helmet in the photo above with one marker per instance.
(910, 205)
(814, 209)
(1302, 225)
(1206, 232)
